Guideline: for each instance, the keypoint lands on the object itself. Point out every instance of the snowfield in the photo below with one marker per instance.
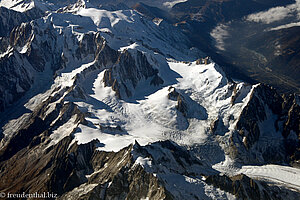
(282, 175)
(18, 5)
(155, 117)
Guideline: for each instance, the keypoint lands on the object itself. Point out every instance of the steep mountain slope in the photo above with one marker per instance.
(23, 5)
(10, 19)
(247, 50)
(254, 40)
(105, 104)
(213, 12)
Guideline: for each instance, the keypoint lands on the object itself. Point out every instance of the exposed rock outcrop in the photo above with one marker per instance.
(10, 19)
(128, 71)
(187, 106)
(282, 114)
(244, 187)
(79, 172)
(181, 104)
(32, 49)
(262, 97)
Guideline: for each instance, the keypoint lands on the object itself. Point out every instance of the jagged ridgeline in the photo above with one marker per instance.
(104, 103)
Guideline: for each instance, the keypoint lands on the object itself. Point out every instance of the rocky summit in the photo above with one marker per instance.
(100, 101)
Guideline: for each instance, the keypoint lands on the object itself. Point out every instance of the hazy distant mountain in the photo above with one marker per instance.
(225, 23)
(213, 12)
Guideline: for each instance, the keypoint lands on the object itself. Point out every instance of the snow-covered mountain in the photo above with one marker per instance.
(107, 104)
(46, 5)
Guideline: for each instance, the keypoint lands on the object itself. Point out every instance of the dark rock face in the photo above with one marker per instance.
(52, 170)
(291, 127)
(32, 48)
(128, 71)
(40, 45)
(241, 186)
(37, 127)
(115, 176)
(252, 114)
(94, 44)
(10, 19)
(15, 80)
(187, 106)
(181, 104)
(79, 172)
(214, 125)
(4, 43)
(173, 94)
(106, 56)
(244, 187)
(44, 167)
(285, 110)
(292, 122)
(137, 184)
(178, 154)
(255, 112)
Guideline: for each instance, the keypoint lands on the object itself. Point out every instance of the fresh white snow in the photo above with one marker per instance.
(155, 117)
(17, 5)
(282, 175)
(170, 4)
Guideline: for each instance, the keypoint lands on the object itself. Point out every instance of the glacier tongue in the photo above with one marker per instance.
(155, 117)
